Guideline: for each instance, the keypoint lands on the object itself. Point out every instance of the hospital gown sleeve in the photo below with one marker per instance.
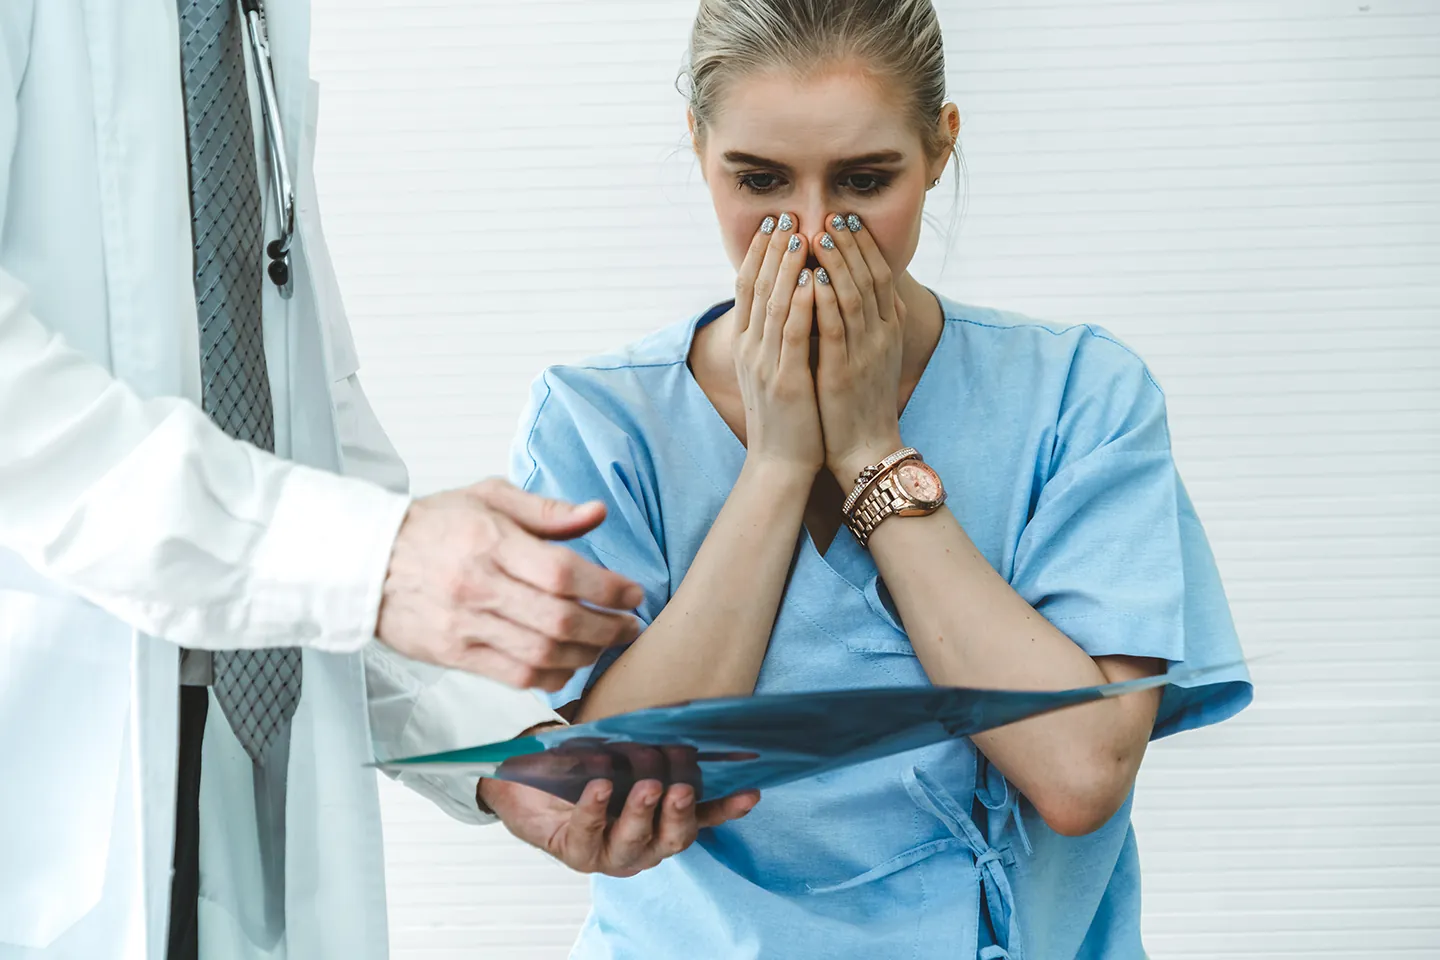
(416, 708)
(146, 509)
(1114, 554)
(574, 445)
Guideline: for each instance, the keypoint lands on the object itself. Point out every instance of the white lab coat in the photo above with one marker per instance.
(125, 517)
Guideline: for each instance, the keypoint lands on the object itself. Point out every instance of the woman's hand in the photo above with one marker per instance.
(860, 316)
(774, 312)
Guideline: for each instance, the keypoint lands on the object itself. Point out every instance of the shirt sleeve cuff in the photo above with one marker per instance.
(321, 566)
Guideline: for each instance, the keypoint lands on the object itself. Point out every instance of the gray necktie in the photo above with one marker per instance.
(258, 690)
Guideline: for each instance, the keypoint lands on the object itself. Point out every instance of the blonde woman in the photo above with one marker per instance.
(1014, 519)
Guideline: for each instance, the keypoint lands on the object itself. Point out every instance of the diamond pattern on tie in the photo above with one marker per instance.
(258, 690)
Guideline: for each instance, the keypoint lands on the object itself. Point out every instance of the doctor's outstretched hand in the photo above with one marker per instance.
(475, 583)
(605, 830)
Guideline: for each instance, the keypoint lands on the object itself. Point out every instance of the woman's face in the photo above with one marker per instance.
(837, 142)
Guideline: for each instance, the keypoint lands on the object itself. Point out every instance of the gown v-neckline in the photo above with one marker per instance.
(737, 450)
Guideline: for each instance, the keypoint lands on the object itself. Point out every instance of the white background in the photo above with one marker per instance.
(1247, 192)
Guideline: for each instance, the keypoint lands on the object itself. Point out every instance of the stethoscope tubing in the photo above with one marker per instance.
(277, 250)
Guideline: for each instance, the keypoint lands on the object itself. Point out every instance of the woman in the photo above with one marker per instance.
(1067, 554)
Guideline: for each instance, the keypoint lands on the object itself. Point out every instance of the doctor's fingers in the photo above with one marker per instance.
(715, 812)
(527, 647)
(541, 516)
(630, 836)
(562, 572)
(676, 828)
(497, 665)
(559, 618)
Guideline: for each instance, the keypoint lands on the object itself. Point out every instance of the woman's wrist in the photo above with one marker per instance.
(847, 465)
(783, 477)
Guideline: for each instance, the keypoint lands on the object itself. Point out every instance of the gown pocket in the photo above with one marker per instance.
(64, 702)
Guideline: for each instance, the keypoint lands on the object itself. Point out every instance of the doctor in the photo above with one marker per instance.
(175, 597)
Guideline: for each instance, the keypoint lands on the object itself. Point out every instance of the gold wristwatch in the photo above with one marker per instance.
(902, 484)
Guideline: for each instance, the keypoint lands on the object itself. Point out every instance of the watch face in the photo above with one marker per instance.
(918, 482)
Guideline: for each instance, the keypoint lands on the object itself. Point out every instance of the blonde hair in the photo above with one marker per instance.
(899, 40)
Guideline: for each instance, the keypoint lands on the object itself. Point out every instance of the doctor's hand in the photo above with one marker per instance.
(474, 584)
(655, 823)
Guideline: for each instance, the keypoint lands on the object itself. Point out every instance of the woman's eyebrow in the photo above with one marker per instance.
(750, 160)
(878, 157)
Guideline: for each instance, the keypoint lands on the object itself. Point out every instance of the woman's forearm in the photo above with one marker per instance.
(711, 638)
(970, 628)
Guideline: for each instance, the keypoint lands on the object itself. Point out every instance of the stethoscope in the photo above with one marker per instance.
(278, 250)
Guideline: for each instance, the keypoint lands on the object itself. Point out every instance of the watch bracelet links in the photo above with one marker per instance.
(873, 509)
(873, 501)
(872, 474)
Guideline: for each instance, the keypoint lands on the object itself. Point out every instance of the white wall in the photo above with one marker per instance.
(1247, 192)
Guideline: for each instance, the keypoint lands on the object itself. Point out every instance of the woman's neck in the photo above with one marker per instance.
(924, 319)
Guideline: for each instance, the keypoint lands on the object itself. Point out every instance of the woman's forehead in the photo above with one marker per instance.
(794, 119)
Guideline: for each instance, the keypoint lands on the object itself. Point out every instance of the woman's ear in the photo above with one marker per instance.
(695, 140)
(947, 131)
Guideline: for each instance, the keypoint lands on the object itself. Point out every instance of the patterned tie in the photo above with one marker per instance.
(258, 690)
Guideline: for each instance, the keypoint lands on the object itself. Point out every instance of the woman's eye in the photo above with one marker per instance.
(759, 182)
(864, 183)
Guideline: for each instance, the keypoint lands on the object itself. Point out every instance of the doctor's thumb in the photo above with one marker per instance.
(542, 516)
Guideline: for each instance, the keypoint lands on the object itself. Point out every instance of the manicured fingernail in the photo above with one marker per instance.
(826, 242)
(767, 226)
(854, 223)
(794, 243)
(822, 277)
(786, 223)
(837, 222)
(804, 280)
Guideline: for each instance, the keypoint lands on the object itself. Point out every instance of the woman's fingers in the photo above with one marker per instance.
(843, 288)
(799, 323)
(844, 230)
(767, 277)
(828, 321)
(749, 270)
(781, 308)
(877, 266)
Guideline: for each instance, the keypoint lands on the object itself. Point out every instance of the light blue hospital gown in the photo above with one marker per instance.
(1054, 446)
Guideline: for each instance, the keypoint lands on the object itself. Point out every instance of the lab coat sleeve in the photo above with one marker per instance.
(146, 509)
(416, 708)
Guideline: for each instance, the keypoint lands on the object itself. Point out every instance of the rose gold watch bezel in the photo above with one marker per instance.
(916, 506)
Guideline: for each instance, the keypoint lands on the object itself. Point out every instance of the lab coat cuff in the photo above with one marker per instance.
(463, 710)
(321, 566)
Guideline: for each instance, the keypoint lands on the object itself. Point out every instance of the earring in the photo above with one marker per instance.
(935, 182)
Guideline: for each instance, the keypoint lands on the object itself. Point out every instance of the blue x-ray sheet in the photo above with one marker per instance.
(726, 745)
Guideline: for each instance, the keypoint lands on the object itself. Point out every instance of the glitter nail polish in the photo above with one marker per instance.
(804, 280)
(837, 222)
(767, 226)
(854, 223)
(786, 223)
(794, 244)
(822, 277)
(826, 242)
